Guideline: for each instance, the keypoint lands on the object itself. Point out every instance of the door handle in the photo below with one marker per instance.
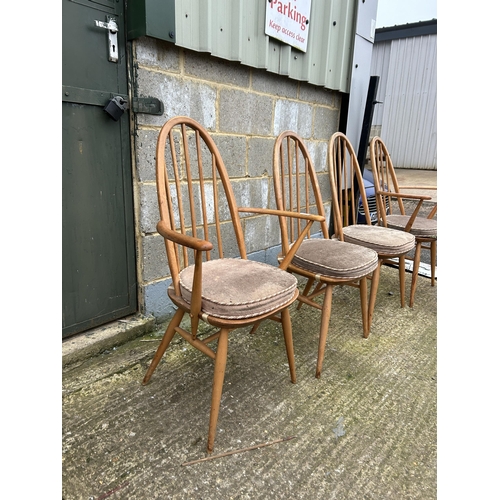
(111, 25)
(112, 28)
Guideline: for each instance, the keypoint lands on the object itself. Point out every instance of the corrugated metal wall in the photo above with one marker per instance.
(234, 30)
(408, 88)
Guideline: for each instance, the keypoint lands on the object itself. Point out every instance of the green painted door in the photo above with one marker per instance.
(98, 254)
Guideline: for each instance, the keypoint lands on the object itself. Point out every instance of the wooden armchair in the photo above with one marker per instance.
(212, 280)
(387, 189)
(323, 261)
(346, 181)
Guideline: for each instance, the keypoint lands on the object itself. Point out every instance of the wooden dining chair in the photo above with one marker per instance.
(323, 261)
(346, 182)
(387, 190)
(212, 279)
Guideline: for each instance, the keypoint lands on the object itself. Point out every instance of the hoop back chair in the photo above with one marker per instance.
(212, 279)
(321, 260)
(346, 182)
(388, 190)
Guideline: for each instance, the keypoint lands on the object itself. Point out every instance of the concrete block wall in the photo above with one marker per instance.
(245, 109)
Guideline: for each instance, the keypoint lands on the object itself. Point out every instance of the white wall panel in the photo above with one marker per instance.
(408, 88)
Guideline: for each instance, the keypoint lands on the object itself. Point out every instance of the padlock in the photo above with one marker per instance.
(116, 107)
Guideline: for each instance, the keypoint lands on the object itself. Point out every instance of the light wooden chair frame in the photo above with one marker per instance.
(297, 190)
(188, 235)
(387, 190)
(346, 181)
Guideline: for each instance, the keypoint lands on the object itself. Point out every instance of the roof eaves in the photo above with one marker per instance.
(406, 30)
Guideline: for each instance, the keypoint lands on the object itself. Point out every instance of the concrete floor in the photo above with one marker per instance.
(408, 177)
(366, 429)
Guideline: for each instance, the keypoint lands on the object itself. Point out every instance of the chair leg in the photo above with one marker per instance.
(363, 293)
(308, 286)
(402, 274)
(433, 262)
(325, 321)
(167, 337)
(373, 298)
(414, 275)
(287, 334)
(254, 327)
(219, 370)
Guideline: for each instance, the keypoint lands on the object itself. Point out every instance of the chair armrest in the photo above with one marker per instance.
(424, 188)
(419, 187)
(423, 197)
(199, 246)
(183, 239)
(311, 218)
(283, 213)
(420, 198)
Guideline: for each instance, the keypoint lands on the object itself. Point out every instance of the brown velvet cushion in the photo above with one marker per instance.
(383, 240)
(336, 259)
(238, 288)
(421, 227)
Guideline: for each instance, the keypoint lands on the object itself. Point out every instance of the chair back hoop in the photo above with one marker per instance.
(346, 182)
(384, 178)
(296, 187)
(195, 196)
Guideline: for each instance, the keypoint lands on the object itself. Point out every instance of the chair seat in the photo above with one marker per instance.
(383, 240)
(421, 226)
(239, 288)
(336, 259)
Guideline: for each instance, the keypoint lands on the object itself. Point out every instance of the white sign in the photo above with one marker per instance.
(288, 21)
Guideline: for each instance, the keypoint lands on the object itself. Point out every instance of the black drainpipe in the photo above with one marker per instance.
(364, 140)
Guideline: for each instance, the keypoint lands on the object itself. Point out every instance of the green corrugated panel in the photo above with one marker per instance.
(235, 30)
(255, 45)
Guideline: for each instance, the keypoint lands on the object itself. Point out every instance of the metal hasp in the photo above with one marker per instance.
(117, 105)
(112, 28)
(148, 105)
